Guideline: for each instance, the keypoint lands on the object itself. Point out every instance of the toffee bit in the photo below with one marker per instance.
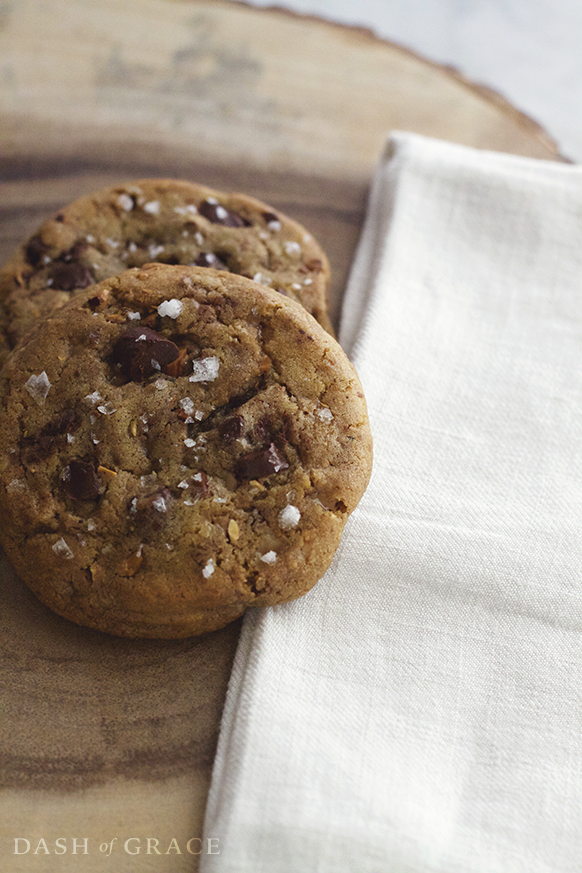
(233, 530)
(131, 565)
(106, 473)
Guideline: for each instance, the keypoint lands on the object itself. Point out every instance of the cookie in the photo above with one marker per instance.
(178, 444)
(162, 220)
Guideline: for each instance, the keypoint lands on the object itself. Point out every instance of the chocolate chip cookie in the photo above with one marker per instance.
(178, 444)
(158, 220)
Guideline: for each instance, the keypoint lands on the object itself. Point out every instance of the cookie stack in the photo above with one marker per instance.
(181, 437)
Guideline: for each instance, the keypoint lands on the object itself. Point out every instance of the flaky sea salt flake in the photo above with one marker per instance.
(152, 207)
(107, 408)
(38, 387)
(61, 549)
(171, 308)
(208, 568)
(289, 517)
(93, 398)
(269, 557)
(125, 202)
(16, 485)
(187, 405)
(205, 369)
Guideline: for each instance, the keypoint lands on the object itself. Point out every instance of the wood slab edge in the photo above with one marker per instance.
(491, 95)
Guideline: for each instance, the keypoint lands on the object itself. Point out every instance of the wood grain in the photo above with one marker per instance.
(101, 737)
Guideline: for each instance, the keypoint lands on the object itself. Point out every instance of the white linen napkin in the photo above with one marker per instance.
(421, 709)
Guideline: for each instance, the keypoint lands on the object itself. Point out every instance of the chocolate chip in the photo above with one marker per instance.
(54, 434)
(75, 252)
(141, 352)
(149, 510)
(218, 214)
(94, 303)
(68, 276)
(231, 428)
(270, 216)
(261, 463)
(207, 259)
(80, 480)
(198, 485)
(36, 250)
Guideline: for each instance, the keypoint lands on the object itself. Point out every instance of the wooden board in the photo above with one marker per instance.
(105, 739)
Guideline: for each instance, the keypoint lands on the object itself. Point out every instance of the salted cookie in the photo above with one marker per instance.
(178, 444)
(166, 221)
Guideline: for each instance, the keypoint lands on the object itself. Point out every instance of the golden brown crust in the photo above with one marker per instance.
(180, 444)
(165, 220)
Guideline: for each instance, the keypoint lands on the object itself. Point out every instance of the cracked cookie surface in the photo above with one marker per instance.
(158, 220)
(178, 444)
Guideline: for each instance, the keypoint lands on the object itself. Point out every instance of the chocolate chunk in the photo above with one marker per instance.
(141, 352)
(270, 216)
(76, 252)
(261, 463)
(207, 259)
(80, 480)
(68, 276)
(267, 431)
(197, 486)
(149, 510)
(231, 428)
(53, 435)
(218, 214)
(36, 250)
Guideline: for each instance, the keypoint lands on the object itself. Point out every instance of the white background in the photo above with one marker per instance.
(528, 50)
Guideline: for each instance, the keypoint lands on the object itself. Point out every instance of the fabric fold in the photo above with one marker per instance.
(420, 709)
